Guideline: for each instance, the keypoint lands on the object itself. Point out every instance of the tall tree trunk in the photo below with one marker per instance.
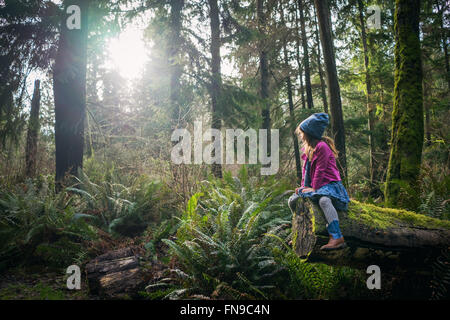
(176, 69)
(216, 83)
(319, 66)
(426, 87)
(407, 114)
(426, 106)
(334, 92)
(300, 65)
(33, 131)
(69, 87)
(298, 165)
(264, 69)
(441, 11)
(92, 99)
(369, 98)
(309, 98)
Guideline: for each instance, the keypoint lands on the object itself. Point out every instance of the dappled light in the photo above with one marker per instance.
(224, 150)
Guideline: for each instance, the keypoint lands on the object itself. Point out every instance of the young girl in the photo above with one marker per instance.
(320, 179)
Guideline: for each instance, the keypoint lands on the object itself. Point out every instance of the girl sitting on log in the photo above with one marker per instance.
(321, 181)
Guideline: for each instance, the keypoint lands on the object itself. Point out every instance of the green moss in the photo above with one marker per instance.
(294, 240)
(41, 291)
(407, 116)
(386, 217)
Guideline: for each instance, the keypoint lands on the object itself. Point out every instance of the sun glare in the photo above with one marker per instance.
(128, 52)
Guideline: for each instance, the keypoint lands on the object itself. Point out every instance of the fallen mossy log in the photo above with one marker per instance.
(395, 240)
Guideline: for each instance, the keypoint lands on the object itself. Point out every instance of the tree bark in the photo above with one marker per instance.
(309, 98)
(298, 165)
(395, 240)
(426, 106)
(319, 66)
(175, 67)
(33, 131)
(216, 82)
(334, 92)
(300, 65)
(69, 87)
(264, 71)
(441, 11)
(117, 273)
(426, 93)
(369, 98)
(407, 114)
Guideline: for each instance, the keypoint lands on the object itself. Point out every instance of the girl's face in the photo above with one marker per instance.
(302, 135)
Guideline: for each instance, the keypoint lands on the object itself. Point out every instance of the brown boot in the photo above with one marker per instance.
(334, 244)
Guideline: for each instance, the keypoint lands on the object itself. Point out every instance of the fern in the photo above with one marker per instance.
(440, 283)
(221, 238)
(37, 223)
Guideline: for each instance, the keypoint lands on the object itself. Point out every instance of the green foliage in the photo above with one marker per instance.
(435, 188)
(221, 243)
(120, 209)
(36, 223)
(41, 291)
(319, 281)
(231, 244)
(431, 195)
(440, 283)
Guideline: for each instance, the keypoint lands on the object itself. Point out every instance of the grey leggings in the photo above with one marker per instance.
(328, 209)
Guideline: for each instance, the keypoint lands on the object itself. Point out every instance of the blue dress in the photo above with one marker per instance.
(334, 190)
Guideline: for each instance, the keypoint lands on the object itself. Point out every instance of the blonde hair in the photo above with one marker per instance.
(310, 143)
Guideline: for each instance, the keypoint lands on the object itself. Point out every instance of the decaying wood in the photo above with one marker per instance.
(116, 273)
(397, 247)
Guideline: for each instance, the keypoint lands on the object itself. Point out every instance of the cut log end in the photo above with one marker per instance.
(116, 274)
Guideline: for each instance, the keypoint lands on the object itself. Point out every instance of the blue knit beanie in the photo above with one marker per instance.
(315, 124)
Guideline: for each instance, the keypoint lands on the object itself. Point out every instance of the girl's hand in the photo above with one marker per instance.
(307, 190)
(297, 190)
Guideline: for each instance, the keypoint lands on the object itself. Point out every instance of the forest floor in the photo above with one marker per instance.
(39, 283)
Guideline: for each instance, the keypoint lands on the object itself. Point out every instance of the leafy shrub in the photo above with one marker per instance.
(435, 188)
(221, 243)
(35, 221)
(120, 209)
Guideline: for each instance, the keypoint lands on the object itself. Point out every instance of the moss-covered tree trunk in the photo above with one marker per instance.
(407, 115)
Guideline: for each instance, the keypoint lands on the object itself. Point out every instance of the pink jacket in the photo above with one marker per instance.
(323, 166)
